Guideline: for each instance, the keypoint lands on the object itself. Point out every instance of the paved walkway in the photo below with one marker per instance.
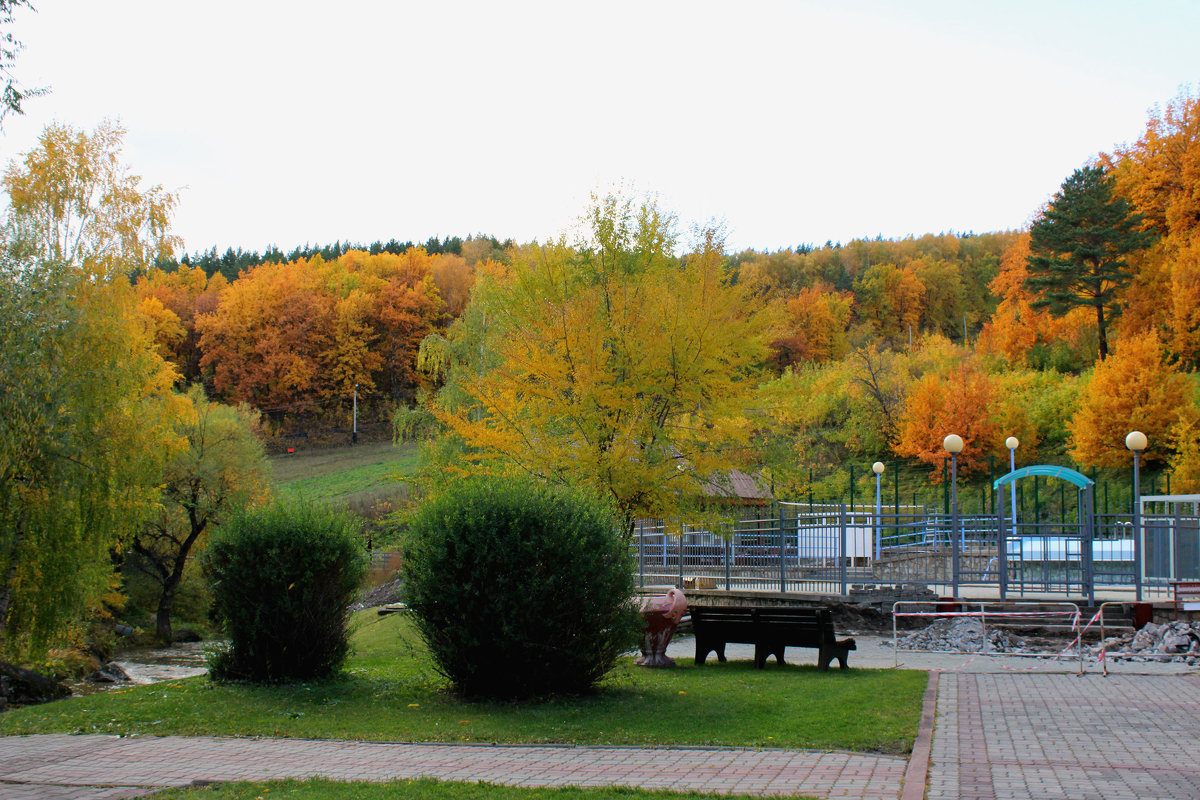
(1003, 735)
(1047, 737)
(66, 767)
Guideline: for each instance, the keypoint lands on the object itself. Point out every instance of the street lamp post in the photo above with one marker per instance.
(354, 434)
(1012, 444)
(954, 445)
(877, 468)
(1137, 441)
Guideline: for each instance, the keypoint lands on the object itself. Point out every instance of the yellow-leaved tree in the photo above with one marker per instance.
(74, 197)
(612, 363)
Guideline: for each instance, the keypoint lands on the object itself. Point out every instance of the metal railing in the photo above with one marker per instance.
(797, 547)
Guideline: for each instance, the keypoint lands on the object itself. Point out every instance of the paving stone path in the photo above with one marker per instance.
(103, 767)
(1046, 737)
(998, 736)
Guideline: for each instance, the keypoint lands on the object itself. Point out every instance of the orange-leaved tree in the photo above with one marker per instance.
(172, 300)
(262, 343)
(815, 326)
(961, 400)
(1017, 327)
(310, 332)
(1160, 174)
(1134, 389)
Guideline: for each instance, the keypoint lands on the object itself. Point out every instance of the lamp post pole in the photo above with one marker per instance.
(1012, 444)
(1136, 441)
(354, 433)
(877, 468)
(954, 445)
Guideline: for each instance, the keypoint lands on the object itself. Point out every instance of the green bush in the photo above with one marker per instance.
(519, 590)
(282, 581)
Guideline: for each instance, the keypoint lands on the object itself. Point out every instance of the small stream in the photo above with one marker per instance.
(152, 665)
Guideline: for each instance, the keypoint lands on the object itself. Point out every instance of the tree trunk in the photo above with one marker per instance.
(1100, 328)
(10, 574)
(166, 600)
(162, 619)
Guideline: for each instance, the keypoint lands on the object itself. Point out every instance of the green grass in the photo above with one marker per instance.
(418, 789)
(345, 474)
(391, 692)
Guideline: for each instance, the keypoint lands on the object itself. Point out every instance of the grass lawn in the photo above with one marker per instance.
(391, 692)
(343, 474)
(422, 789)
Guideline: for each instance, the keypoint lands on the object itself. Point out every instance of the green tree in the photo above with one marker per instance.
(1078, 248)
(13, 93)
(519, 589)
(87, 409)
(85, 399)
(223, 467)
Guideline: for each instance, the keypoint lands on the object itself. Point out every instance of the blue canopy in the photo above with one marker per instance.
(1065, 473)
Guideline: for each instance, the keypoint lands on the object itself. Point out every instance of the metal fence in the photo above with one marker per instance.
(826, 549)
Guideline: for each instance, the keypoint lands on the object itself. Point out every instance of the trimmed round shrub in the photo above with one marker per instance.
(283, 579)
(520, 590)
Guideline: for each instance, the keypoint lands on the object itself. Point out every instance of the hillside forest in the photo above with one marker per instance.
(827, 355)
(632, 354)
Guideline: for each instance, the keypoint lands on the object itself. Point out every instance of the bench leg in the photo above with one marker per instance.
(705, 646)
(825, 657)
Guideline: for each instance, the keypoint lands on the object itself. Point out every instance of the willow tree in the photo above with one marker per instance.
(85, 398)
(87, 408)
(611, 363)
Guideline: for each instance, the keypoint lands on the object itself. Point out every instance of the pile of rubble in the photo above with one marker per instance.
(960, 635)
(1174, 641)
(379, 596)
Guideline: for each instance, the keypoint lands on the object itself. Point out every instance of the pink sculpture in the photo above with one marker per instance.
(661, 615)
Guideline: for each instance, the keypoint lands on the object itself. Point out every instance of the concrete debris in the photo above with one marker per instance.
(1172, 641)
(379, 596)
(961, 635)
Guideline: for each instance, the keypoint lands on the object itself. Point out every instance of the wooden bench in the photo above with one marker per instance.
(770, 630)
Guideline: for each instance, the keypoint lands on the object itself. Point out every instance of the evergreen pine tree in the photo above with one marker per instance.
(1078, 248)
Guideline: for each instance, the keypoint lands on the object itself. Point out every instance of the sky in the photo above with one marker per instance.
(294, 122)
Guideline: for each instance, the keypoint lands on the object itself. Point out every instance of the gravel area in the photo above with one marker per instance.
(875, 652)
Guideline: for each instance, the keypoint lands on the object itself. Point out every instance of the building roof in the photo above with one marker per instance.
(739, 487)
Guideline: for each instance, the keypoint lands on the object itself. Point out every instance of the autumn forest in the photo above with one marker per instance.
(834, 354)
(623, 355)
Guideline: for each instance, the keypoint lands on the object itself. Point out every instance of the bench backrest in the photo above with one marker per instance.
(808, 624)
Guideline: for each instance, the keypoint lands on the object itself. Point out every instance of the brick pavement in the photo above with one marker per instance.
(72, 767)
(1000, 736)
(1044, 737)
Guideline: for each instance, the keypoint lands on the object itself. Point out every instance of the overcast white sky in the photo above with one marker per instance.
(292, 122)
